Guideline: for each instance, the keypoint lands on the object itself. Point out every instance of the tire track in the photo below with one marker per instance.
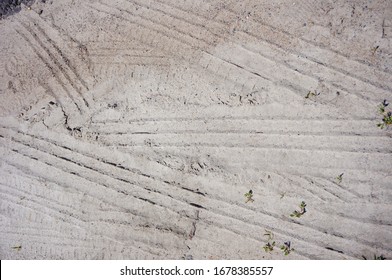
(347, 84)
(144, 24)
(179, 25)
(269, 112)
(55, 61)
(46, 63)
(309, 45)
(89, 178)
(332, 196)
(317, 171)
(244, 209)
(71, 68)
(289, 86)
(34, 240)
(163, 41)
(273, 44)
(100, 173)
(36, 209)
(327, 144)
(118, 210)
(289, 127)
(284, 63)
(224, 215)
(197, 52)
(301, 66)
(139, 242)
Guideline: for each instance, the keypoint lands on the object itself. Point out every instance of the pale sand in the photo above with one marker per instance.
(133, 129)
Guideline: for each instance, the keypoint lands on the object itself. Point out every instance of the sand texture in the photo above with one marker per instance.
(133, 129)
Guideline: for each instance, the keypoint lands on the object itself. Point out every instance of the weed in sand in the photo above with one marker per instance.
(386, 116)
(312, 93)
(339, 178)
(286, 248)
(269, 246)
(298, 214)
(249, 196)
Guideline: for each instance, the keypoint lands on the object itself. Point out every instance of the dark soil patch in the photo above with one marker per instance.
(9, 7)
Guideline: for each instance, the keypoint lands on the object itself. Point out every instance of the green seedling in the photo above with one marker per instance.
(249, 196)
(382, 106)
(269, 247)
(286, 248)
(339, 178)
(386, 116)
(386, 120)
(298, 214)
(312, 93)
(269, 234)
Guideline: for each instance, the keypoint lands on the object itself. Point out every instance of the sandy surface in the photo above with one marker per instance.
(133, 129)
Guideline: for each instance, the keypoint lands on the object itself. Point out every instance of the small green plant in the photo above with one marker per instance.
(286, 248)
(386, 116)
(382, 106)
(269, 246)
(269, 234)
(339, 178)
(298, 214)
(312, 93)
(386, 120)
(249, 196)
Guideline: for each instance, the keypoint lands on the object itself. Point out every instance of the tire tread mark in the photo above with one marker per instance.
(27, 156)
(62, 55)
(54, 74)
(344, 72)
(55, 62)
(278, 217)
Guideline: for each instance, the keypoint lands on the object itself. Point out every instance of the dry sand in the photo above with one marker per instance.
(133, 129)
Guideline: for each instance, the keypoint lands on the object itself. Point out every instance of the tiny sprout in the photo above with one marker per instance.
(269, 247)
(298, 214)
(269, 234)
(340, 178)
(311, 93)
(387, 116)
(286, 248)
(249, 196)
